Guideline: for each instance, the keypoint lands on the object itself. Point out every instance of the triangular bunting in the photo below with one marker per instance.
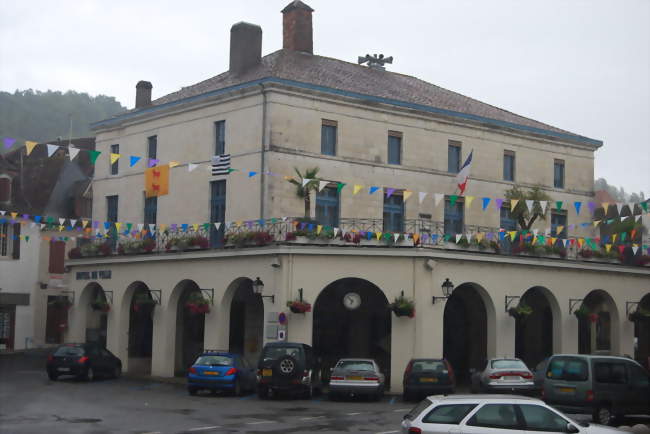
(468, 201)
(389, 192)
(114, 157)
(437, 198)
(486, 201)
(373, 189)
(357, 188)
(29, 145)
(93, 156)
(513, 204)
(322, 185)
(529, 205)
(543, 204)
(407, 194)
(252, 173)
(192, 166)
(73, 152)
(577, 206)
(340, 186)
(421, 196)
(173, 164)
(305, 181)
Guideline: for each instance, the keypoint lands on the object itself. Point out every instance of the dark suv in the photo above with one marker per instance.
(288, 367)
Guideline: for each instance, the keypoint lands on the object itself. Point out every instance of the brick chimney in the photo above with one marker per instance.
(143, 94)
(297, 32)
(245, 47)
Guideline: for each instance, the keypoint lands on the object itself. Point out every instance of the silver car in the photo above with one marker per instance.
(491, 414)
(504, 375)
(354, 377)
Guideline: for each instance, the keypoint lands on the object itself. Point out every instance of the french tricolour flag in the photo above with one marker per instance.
(463, 175)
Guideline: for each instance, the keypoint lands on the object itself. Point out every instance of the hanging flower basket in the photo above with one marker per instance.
(197, 304)
(521, 311)
(100, 305)
(61, 302)
(297, 306)
(143, 303)
(403, 307)
(639, 314)
(582, 312)
(593, 317)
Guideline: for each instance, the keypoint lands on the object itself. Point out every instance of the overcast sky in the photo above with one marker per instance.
(579, 65)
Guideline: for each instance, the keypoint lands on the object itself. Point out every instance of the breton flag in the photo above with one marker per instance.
(221, 164)
(463, 175)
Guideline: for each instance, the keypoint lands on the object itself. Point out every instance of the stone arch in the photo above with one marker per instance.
(95, 321)
(469, 329)
(190, 327)
(140, 327)
(538, 335)
(339, 331)
(599, 332)
(642, 334)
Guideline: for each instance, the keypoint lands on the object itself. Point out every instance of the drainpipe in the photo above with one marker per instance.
(262, 162)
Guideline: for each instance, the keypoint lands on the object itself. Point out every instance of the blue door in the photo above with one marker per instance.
(327, 207)
(394, 214)
(217, 211)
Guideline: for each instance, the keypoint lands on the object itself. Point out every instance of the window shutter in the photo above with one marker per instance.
(15, 253)
(57, 257)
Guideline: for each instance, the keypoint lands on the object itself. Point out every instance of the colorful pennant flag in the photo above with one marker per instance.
(373, 189)
(468, 201)
(437, 198)
(486, 201)
(9, 142)
(357, 188)
(29, 145)
(173, 164)
(340, 186)
(421, 196)
(191, 166)
(577, 206)
(322, 185)
(407, 194)
(114, 158)
(93, 156)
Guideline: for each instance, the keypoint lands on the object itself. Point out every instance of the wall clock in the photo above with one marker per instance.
(352, 300)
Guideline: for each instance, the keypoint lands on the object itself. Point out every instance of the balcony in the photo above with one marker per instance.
(359, 233)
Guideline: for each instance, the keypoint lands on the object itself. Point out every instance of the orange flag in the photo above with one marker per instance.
(156, 181)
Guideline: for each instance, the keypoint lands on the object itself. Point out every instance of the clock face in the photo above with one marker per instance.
(351, 300)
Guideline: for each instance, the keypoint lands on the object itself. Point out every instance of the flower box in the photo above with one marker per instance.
(197, 304)
(402, 307)
(521, 311)
(297, 306)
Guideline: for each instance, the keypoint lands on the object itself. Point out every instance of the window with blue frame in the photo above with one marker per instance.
(115, 149)
(394, 213)
(508, 166)
(220, 137)
(453, 156)
(558, 218)
(454, 217)
(150, 210)
(152, 147)
(394, 147)
(217, 211)
(328, 137)
(558, 174)
(327, 207)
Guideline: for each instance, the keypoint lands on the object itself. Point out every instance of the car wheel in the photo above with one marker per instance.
(90, 374)
(603, 414)
(117, 372)
(52, 376)
(192, 391)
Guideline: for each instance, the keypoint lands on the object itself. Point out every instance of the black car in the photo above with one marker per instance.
(428, 377)
(84, 361)
(288, 367)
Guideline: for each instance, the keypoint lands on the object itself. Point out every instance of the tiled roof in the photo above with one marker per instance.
(346, 77)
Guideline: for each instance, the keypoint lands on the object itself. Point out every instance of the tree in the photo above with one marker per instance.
(304, 191)
(525, 217)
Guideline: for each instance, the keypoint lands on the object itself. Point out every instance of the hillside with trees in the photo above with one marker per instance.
(41, 116)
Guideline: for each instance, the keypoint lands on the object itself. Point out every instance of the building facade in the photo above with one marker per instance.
(380, 140)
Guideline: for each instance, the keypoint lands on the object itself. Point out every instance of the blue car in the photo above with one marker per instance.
(221, 370)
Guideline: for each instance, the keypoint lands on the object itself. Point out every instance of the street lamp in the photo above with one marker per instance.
(447, 288)
(258, 288)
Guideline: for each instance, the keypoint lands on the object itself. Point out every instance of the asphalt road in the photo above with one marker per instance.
(31, 403)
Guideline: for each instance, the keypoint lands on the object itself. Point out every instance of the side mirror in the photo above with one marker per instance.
(570, 428)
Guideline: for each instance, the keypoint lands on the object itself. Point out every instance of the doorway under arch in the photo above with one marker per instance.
(597, 329)
(94, 299)
(246, 331)
(534, 333)
(466, 329)
(190, 328)
(642, 334)
(140, 329)
(360, 328)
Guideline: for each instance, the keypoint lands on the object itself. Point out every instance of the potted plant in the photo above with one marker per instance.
(100, 305)
(148, 245)
(403, 307)
(261, 238)
(639, 314)
(89, 249)
(582, 312)
(198, 242)
(143, 302)
(197, 304)
(105, 249)
(299, 306)
(521, 311)
(61, 302)
(352, 237)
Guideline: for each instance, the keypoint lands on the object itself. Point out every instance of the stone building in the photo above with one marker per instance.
(360, 126)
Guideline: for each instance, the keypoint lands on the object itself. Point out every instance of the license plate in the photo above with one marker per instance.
(64, 369)
(567, 389)
(428, 380)
(512, 378)
(267, 373)
(354, 378)
(210, 373)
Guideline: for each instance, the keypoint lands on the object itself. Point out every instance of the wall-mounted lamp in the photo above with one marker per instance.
(258, 288)
(447, 288)
(275, 263)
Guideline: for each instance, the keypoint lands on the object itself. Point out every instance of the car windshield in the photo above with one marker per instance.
(355, 365)
(508, 364)
(214, 360)
(69, 351)
(568, 369)
(274, 353)
(428, 365)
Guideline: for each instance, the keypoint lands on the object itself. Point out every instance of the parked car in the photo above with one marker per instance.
(85, 361)
(504, 375)
(539, 374)
(220, 370)
(607, 387)
(288, 367)
(479, 414)
(428, 377)
(354, 377)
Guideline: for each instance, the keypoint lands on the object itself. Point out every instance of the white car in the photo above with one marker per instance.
(491, 414)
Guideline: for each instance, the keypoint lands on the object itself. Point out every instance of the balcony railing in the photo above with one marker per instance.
(352, 232)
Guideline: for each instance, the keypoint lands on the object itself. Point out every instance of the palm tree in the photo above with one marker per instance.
(303, 191)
